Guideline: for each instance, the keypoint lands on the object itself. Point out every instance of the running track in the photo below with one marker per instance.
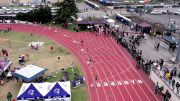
(117, 77)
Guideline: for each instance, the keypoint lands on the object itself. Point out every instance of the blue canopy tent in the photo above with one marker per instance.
(30, 93)
(46, 91)
(29, 73)
(57, 91)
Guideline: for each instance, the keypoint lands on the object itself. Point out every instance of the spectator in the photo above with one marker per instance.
(157, 47)
(161, 62)
(174, 71)
(1, 81)
(13, 100)
(51, 48)
(9, 96)
(173, 83)
(177, 87)
(156, 88)
(166, 95)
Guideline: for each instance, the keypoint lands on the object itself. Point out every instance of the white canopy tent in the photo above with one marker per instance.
(79, 19)
(36, 44)
(29, 73)
(57, 91)
(111, 22)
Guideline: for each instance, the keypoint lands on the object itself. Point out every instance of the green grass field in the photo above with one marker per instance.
(17, 43)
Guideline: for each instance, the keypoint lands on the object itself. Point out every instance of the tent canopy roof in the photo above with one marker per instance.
(84, 22)
(110, 20)
(29, 72)
(144, 24)
(171, 39)
(88, 22)
(99, 21)
(44, 90)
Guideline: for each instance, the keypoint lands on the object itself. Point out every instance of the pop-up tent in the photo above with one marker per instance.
(170, 39)
(57, 91)
(111, 22)
(29, 73)
(4, 65)
(28, 92)
(145, 27)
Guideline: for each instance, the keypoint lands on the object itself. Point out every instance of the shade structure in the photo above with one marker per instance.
(29, 73)
(99, 21)
(57, 91)
(88, 22)
(84, 22)
(45, 91)
(29, 92)
(170, 39)
(111, 22)
(4, 65)
(144, 25)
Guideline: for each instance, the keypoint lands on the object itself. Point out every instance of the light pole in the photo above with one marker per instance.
(178, 50)
(169, 18)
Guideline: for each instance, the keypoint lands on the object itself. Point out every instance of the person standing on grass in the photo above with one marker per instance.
(9, 96)
(1, 81)
(51, 48)
(13, 100)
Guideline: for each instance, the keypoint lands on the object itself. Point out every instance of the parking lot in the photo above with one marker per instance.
(163, 19)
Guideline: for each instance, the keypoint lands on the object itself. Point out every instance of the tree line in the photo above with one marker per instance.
(43, 14)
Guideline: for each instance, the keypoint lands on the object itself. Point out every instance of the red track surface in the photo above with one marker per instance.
(117, 77)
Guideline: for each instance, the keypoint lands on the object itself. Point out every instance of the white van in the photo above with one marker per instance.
(23, 10)
(15, 11)
(156, 12)
(177, 12)
(8, 11)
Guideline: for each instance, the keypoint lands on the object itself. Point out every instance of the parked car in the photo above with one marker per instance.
(8, 11)
(15, 11)
(30, 9)
(164, 11)
(177, 12)
(156, 12)
(23, 10)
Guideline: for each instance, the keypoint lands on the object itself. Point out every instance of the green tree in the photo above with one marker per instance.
(67, 8)
(43, 15)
